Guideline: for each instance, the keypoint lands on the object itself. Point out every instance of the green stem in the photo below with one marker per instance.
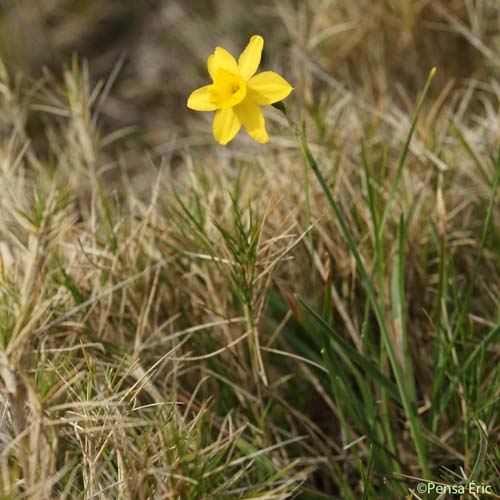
(409, 406)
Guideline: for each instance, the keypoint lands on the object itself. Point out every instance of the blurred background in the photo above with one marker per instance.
(374, 50)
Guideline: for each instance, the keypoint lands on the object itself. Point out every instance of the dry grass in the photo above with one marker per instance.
(180, 320)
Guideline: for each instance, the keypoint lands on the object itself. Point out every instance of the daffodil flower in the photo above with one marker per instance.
(237, 93)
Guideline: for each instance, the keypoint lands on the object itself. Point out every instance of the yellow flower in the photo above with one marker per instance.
(237, 92)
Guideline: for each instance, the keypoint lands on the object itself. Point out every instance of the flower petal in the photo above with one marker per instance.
(249, 59)
(251, 117)
(226, 125)
(200, 99)
(228, 89)
(221, 58)
(267, 88)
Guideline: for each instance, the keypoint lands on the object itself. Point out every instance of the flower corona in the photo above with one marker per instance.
(237, 93)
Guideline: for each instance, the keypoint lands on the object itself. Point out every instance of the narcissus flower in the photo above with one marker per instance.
(237, 93)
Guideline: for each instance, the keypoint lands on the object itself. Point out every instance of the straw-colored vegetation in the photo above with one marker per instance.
(317, 317)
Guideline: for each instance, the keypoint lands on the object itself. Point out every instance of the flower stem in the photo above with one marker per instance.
(408, 405)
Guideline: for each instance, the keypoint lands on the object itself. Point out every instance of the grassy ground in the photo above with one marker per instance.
(315, 319)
